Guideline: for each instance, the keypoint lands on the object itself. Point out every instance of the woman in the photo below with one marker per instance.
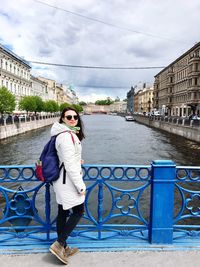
(69, 188)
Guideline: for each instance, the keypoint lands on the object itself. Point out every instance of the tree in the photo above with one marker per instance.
(77, 107)
(39, 104)
(7, 101)
(31, 103)
(82, 103)
(64, 105)
(108, 101)
(51, 106)
(28, 103)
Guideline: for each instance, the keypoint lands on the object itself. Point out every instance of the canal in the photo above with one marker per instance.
(109, 140)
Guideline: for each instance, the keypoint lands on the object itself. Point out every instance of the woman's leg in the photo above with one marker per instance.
(61, 223)
(65, 228)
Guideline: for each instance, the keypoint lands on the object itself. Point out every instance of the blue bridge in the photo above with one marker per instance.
(127, 207)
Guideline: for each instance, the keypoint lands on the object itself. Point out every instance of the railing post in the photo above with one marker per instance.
(162, 202)
(47, 210)
(100, 207)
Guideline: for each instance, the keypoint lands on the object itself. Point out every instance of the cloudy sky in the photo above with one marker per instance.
(124, 34)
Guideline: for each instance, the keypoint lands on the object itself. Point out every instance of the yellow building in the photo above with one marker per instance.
(143, 100)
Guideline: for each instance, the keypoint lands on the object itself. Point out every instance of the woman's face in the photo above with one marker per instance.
(70, 118)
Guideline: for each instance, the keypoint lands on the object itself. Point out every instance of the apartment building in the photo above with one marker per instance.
(51, 88)
(38, 87)
(119, 106)
(177, 87)
(14, 74)
(130, 100)
(145, 100)
(136, 101)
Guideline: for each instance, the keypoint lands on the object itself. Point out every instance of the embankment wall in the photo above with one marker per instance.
(192, 133)
(22, 127)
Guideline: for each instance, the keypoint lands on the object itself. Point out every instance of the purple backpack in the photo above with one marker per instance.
(48, 168)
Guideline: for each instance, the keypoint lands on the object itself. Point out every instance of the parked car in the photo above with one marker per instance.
(129, 118)
(157, 113)
(22, 116)
(194, 117)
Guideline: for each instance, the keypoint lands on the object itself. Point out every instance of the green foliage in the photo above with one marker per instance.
(108, 101)
(82, 103)
(64, 105)
(27, 103)
(7, 101)
(39, 103)
(77, 107)
(51, 106)
(31, 103)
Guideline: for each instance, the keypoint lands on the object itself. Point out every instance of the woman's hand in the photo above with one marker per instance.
(82, 161)
(83, 193)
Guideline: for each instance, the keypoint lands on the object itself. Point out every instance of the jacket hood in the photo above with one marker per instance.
(59, 128)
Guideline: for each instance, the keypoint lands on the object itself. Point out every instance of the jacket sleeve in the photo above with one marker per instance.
(72, 161)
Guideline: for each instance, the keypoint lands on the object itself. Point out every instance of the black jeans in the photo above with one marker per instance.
(65, 226)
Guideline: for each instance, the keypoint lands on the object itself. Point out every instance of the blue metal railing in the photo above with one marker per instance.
(157, 203)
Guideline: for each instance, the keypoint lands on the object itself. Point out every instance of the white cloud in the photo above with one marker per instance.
(149, 33)
(92, 97)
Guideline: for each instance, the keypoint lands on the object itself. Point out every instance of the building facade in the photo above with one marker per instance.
(38, 88)
(145, 100)
(136, 102)
(177, 87)
(130, 100)
(116, 107)
(14, 74)
(51, 88)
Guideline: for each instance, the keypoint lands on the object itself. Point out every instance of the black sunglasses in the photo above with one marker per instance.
(69, 117)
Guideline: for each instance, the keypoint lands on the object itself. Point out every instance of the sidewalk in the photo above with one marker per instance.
(183, 258)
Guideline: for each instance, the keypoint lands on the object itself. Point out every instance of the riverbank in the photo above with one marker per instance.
(186, 131)
(23, 127)
(105, 259)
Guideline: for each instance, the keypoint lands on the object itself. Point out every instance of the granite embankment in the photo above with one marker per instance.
(177, 126)
(9, 130)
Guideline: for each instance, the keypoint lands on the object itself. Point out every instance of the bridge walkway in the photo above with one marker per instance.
(107, 259)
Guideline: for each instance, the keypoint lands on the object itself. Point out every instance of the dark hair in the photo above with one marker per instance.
(79, 124)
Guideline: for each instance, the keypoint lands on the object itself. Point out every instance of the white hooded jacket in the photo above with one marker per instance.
(68, 194)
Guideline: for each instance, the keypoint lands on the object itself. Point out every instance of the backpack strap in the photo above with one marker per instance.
(64, 175)
(72, 137)
(70, 134)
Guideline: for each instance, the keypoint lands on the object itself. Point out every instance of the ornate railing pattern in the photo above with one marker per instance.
(187, 184)
(122, 201)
